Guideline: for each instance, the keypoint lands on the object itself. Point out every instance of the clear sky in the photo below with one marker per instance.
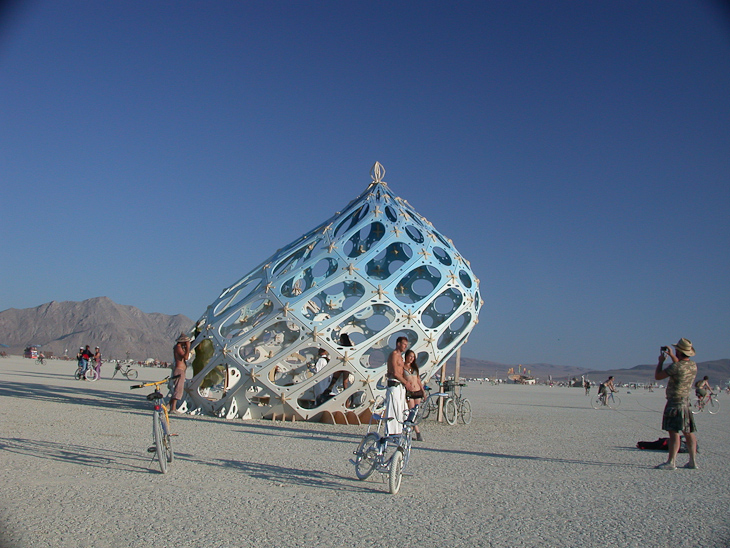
(577, 153)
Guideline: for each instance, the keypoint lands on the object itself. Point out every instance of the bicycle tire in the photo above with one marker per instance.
(395, 474)
(425, 410)
(366, 456)
(450, 411)
(77, 374)
(596, 402)
(697, 407)
(167, 439)
(157, 430)
(465, 411)
(91, 375)
(131, 374)
(614, 402)
(713, 406)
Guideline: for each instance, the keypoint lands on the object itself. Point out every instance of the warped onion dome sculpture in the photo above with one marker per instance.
(352, 285)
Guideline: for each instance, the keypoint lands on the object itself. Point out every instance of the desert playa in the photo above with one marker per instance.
(537, 467)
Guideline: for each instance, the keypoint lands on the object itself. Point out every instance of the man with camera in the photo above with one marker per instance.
(677, 413)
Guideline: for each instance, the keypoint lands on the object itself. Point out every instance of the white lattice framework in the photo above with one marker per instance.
(375, 271)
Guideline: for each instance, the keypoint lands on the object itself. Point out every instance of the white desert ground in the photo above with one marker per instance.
(537, 467)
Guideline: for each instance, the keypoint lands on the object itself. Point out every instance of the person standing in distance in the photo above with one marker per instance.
(181, 353)
(677, 413)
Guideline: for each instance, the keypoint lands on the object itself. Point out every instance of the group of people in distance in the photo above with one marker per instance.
(85, 357)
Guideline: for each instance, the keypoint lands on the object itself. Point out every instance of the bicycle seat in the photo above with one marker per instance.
(156, 395)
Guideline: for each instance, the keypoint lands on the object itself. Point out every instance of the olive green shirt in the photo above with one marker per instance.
(681, 379)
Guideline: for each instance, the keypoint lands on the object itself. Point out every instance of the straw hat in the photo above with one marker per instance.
(685, 347)
(183, 338)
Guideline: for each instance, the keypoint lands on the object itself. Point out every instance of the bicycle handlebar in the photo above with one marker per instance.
(158, 383)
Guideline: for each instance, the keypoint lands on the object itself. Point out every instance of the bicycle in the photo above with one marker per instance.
(708, 401)
(160, 424)
(90, 374)
(40, 360)
(606, 400)
(455, 406)
(126, 370)
(389, 455)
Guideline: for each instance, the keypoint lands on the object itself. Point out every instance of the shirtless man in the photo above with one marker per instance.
(181, 352)
(395, 399)
(605, 388)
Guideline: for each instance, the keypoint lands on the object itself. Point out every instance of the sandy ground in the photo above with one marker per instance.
(537, 467)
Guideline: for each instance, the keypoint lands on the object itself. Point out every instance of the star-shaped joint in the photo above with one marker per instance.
(380, 292)
(331, 247)
(315, 334)
(345, 359)
(396, 231)
(269, 286)
(253, 375)
(368, 380)
(282, 398)
(410, 317)
(225, 350)
(350, 268)
(452, 276)
(286, 309)
(425, 253)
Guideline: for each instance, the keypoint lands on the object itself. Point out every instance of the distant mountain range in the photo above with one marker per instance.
(61, 327)
(717, 370)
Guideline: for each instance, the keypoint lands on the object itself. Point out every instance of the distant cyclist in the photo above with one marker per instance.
(702, 387)
(605, 388)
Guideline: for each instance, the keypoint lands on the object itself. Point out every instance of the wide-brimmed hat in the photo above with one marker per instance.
(183, 338)
(685, 347)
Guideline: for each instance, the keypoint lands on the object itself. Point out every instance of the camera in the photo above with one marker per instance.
(665, 349)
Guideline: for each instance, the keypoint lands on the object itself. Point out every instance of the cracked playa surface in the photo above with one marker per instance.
(537, 467)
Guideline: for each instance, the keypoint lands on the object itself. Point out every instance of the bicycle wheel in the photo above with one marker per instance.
(131, 374)
(77, 374)
(596, 402)
(614, 402)
(697, 407)
(91, 375)
(465, 411)
(395, 477)
(366, 456)
(166, 438)
(425, 410)
(713, 406)
(157, 433)
(450, 411)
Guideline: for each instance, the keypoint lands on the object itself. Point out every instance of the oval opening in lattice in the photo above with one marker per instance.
(310, 277)
(442, 256)
(274, 339)
(246, 318)
(237, 296)
(387, 262)
(290, 262)
(391, 214)
(465, 279)
(441, 308)
(414, 234)
(418, 284)
(294, 368)
(351, 220)
(362, 240)
(456, 328)
(365, 323)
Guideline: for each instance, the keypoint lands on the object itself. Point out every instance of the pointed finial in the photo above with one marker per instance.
(377, 172)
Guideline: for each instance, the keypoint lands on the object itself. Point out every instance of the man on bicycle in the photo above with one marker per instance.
(604, 387)
(702, 388)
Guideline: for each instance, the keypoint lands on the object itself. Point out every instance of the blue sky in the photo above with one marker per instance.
(577, 153)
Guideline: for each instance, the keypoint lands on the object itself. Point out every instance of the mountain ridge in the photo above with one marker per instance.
(60, 327)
